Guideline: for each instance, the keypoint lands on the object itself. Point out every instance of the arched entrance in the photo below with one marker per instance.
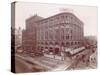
(56, 50)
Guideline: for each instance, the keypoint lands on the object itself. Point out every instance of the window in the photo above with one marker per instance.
(67, 43)
(70, 37)
(46, 21)
(56, 43)
(62, 44)
(62, 16)
(71, 18)
(51, 19)
(57, 34)
(62, 34)
(51, 35)
(71, 31)
(46, 35)
(66, 16)
(46, 43)
(57, 18)
(38, 42)
(67, 37)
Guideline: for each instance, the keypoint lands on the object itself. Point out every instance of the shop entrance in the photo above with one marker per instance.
(56, 51)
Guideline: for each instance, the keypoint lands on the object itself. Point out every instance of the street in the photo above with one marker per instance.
(25, 63)
(24, 66)
(21, 66)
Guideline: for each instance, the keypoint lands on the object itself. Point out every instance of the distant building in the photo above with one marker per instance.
(18, 37)
(29, 34)
(90, 42)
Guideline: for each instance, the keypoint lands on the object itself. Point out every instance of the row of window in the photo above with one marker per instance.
(56, 37)
(57, 43)
(57, 34)
(57, 18)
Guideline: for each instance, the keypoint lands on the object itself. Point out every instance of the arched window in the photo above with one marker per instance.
(56, 43)
(72, 43)
(62, 44)
(67, 37)
(67, 43)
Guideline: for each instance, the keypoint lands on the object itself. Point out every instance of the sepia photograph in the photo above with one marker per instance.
(53, 37)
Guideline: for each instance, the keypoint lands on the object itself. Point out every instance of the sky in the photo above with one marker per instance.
(87, 14)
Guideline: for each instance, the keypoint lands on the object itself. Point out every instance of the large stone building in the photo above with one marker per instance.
(63, 30)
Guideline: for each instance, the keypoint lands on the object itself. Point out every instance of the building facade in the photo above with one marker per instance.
(29, 34)
(52, 34)
(63, 30)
